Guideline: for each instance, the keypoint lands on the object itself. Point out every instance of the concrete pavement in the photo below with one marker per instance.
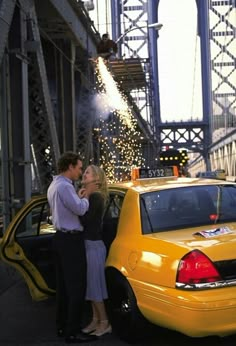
(26, 322)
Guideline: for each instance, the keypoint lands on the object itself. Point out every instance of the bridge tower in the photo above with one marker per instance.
(130, 20)
(194, 135)
(222, 30)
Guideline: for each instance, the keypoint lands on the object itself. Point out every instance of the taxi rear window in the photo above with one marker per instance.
(187, 207)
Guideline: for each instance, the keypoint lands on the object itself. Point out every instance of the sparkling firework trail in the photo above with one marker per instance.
(118, 138)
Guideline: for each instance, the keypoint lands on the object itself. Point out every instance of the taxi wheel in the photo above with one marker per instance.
(126, 319)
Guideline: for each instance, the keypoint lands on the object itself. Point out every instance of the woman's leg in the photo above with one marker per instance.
(103, 325)
(91, 327)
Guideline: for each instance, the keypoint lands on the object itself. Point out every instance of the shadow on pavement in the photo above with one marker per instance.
(26, 322)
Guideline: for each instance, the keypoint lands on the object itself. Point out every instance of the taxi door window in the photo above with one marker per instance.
(34, 235)
(111, 218)
(36, 222)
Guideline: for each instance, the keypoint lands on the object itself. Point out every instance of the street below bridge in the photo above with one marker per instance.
(26, 322)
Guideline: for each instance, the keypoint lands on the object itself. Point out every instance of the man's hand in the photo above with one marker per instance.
(86, 191)
(82, 193)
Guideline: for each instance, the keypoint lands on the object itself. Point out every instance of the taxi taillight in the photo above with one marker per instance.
(197, 268)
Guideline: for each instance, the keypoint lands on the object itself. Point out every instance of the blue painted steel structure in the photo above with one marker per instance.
(195, 136)
(46, 75)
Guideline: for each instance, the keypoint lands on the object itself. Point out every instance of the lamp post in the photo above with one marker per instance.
(156, 26)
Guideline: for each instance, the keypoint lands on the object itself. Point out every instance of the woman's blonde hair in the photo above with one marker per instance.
(101, 180)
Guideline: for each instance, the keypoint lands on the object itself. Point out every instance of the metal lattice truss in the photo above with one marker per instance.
(223, 47)
(222, 30)
(43, 135)
(191, 135)
(6, 14)
(44, 139)
(179, 135)
(195, 136)
(135, 43)
(222, 155)
(85, 145)
(225, 156)
(131, 22)
(44, 51)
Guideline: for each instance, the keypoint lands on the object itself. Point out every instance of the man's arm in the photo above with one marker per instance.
(73, 202)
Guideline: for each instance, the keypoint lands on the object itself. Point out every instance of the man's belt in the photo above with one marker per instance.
(73, 231)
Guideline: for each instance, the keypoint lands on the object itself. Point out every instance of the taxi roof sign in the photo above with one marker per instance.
(150, 173)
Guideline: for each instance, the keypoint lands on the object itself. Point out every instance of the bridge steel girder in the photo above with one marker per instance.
(223, 66)
(78, 25)
(137, 44)
(44, 71)
(223, 63)
(15, 144)
(165, 132)
(222, 155)
(6, 13)
(75, 39)
(122, 10)
(188, 135)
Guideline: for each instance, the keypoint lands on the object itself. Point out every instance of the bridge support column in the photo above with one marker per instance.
(203, 32)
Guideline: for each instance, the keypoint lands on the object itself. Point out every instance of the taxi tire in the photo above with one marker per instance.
(126, 319)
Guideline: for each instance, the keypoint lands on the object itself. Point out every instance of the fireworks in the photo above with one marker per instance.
(118, 132)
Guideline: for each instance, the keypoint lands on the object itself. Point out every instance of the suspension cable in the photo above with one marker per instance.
(194, 74)
(106, 16)
(98, 24)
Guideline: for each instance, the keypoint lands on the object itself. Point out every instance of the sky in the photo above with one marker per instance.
(178, 56)
(179, 61)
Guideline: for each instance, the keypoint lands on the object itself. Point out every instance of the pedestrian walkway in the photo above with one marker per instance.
(26, 322)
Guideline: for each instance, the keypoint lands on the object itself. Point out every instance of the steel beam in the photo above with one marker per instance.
(130, 23)
(33, 24)
(84, 33)
(6, 13)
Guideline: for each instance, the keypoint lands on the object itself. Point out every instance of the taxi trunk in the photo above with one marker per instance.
(200, 285)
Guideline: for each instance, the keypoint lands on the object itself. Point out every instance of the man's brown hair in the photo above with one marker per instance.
(67, 159)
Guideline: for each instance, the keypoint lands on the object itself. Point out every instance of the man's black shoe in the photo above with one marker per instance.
(80, 338)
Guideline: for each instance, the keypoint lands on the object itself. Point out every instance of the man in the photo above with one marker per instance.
(107, 48)
(69, 247)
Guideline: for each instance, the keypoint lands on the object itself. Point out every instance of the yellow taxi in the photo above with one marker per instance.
(171, 246)
(220, 174)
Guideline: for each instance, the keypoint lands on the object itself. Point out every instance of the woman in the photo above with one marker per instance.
(95, 250)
